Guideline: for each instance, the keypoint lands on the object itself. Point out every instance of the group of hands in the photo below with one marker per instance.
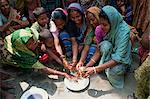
(79, 70)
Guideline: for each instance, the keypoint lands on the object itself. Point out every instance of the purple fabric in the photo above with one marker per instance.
(99, 34)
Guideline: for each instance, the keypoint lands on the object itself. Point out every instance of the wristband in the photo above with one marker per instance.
(93, 60)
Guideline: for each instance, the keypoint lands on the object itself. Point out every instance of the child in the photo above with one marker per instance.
(42, 25)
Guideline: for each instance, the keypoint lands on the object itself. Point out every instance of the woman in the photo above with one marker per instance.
(64, 39)
(144, 45)
(22, 45)
(90, 53)
(26, 7)
(125, 8)
(76, 14)
(115, 49)
(10, 19)
(143, 72)
(93, 18)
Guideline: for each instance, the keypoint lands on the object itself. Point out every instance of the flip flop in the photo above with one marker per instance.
(131, 96)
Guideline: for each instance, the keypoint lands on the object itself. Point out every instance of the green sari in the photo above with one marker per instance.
(15, 44)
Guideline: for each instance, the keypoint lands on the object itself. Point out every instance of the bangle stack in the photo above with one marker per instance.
(93, 60)
(94, 69)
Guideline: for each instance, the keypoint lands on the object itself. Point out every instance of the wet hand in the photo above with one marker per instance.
(66, 64)
(79, 65)
(89, 71)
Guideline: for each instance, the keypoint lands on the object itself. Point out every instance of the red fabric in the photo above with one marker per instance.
(142, 53)
(44, 58)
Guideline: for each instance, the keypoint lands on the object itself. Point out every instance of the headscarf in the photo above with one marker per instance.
(16, 42)
(119, 36)
(95, 11)
(76, 6)
(98, 31)
(116, 22)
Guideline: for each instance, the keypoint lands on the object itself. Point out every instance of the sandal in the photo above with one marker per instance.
(131, 96)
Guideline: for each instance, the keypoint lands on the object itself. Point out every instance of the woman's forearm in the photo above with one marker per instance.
(94, 58)
(74, 51)
(106, 65)
(57, 46)
(52, 71)
(84, 53)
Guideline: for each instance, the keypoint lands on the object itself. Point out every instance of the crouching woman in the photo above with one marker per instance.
(115, 49)
(22, 46)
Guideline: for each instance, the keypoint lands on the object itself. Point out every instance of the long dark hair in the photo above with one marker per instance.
(58, 14)
(104, 16)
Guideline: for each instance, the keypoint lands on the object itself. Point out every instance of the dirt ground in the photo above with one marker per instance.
(99, 87)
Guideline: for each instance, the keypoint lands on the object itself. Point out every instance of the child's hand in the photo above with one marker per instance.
(43, 47)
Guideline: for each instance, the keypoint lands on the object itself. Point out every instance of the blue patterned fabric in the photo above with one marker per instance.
(91, 52)
(65, 38)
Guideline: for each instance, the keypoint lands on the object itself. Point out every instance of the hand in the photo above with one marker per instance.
(43, 47)
(68, 76)
(90, 71)
(66, 64)
(80, 63)
(73, 64)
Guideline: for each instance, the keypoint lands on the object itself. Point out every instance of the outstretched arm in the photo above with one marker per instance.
(99, 68)
(83, 56)
(74, 51)
(94, 58)
(55, 72)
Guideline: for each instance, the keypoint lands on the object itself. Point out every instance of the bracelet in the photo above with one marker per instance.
(93, 60)
(94, 69)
